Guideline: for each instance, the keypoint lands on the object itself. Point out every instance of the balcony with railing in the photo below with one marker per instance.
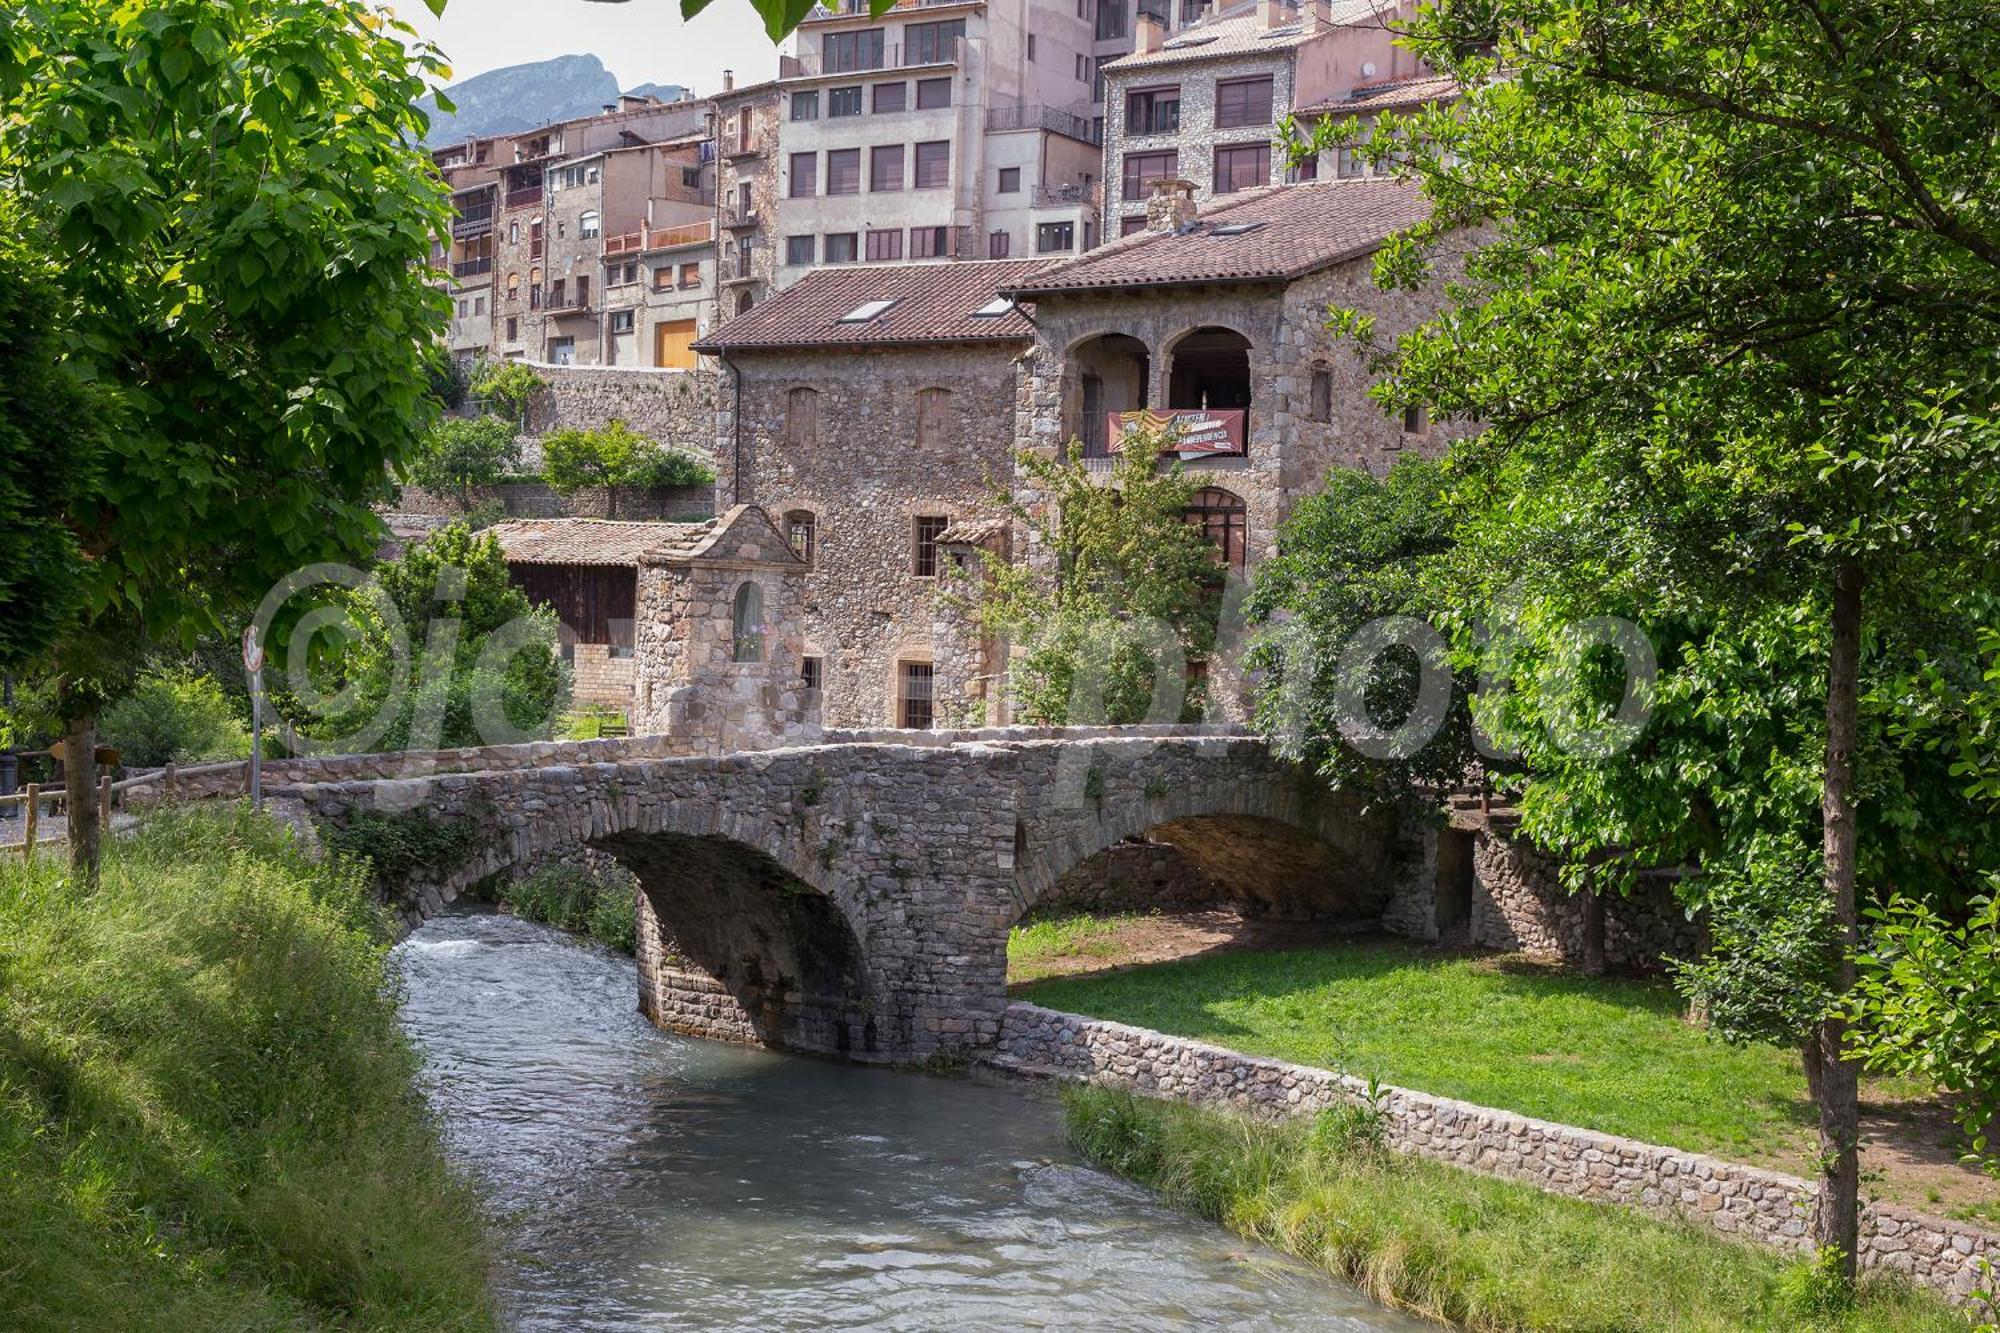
(1069, 194)
(474, 222)
(472, 268)
(1051, 118)
(815, 64)
(848, 9)
(740, 219)
(523, 197)
(650, 237)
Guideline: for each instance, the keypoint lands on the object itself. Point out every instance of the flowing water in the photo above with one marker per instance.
(646, 1181)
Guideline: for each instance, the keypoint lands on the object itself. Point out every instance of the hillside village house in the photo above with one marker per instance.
(880, 407)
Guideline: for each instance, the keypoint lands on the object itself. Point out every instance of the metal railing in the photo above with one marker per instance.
(659, 238)
(811, 64)
(848, 9)
(472, 224)
(1052, 118)
(1069, 192)
(472, 268)
(521, 198)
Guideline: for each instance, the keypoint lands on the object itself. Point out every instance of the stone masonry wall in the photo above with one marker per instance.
(1519, 903)
(674, 407)
(672, 504)
(1762, 1206)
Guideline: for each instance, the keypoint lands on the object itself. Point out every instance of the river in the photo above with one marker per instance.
(646, 1181)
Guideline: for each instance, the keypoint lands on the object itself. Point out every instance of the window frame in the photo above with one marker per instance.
(926, 560)
(809, 175)
(838, 161)
(1247, 116)
(941, 154)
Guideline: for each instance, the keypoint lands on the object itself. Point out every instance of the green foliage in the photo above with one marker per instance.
(572, 898)
(507, 388)
(1606, 1053)
(1361, 549)
(450, 380)
(1463, 1249)
(458, 453)
(1927, 1004)
(589, 724)
(208, 1109)
(174, 716)
(237, 217)
(51, 443)
(441, 650)
(615, 455)
(1129, 592)
(399, 845)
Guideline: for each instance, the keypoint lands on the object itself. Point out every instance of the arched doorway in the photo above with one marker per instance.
(1211, 371)
(1101, 375)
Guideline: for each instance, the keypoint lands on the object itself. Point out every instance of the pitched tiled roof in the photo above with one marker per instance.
(1391, 95)
(595, 541)
(1295, 229)
(1242, 32)
(932, 303)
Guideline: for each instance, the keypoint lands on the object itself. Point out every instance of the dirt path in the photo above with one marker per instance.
(1909, 1155)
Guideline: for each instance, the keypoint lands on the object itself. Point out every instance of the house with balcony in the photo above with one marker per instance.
(1199, 104)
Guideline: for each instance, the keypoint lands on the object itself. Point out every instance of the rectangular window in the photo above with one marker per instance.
(1142, 169)
(1242, 167)
(562, 351)
(1416, 420)
(884, 245)
(891, 97)
(800, 250)
(1082, 68)
(805, 175)
(840, 247)
(1307, 170)
(478, 305)
(885, 167)
(1153, 111)
(915, 687)
(931, 43)
(928, 528)
(743, 129)
(583, 289)
(1097, 79)
(513, 328)
(1241, 102)
(1031, 48)
(843, 102)
(1130, 223)
(621, 321)
(805, 105)
(811, 673)
(1111, 18)
(1321, 406)
(998, 243)
(847, 52)
(930, 242)
(933, 93)
(663, 278)
(1055, 238)
(587, 226)
(843, 171)
(1010, 180)
(691, 274)
(934, 164)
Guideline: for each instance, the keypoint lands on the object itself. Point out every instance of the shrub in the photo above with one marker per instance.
(507, 388)
(176, 717)
(572, 898)
(397, 845)
(669, 467)
(459, 453)
(615, 455)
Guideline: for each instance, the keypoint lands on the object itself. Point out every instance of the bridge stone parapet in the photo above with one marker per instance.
(853, 897)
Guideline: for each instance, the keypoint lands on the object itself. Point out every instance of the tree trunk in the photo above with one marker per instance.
(1593, 933)
(1837, 1210)
(80, 795)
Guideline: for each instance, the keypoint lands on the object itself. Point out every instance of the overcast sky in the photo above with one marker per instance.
(640, 41)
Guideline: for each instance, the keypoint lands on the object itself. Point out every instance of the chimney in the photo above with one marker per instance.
(728, 80)
(610, 107)
(1275, 14)
(1147, 34)
(1171, 205)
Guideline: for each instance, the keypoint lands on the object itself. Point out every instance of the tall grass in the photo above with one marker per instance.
(207, 1111)
(1480, 1253)
(572, 898)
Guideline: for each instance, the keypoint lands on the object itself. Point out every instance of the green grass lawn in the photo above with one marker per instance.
(1613, 1055)
(1032, 945)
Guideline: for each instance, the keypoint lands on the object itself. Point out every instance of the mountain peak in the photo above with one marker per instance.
(524, 97)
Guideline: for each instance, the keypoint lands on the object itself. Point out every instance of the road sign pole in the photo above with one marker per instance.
(253, 663)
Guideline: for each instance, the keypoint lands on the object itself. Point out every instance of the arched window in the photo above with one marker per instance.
(513, 286)
(800, 532)
(1219, 515)
(1321, 406)
(749, 624)
(743, 303)
(586, 224)
(933, 412)
(802, 417)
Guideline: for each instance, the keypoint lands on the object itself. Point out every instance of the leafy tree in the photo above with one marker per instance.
(174, 717)
(614, 455)
(458, 453)
(1118, 594)
(1731, 330)
(1361, 550)
(440, 650)
(507, 388)
(236, 219)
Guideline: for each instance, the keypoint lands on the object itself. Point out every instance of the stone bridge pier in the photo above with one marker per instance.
(853, 898)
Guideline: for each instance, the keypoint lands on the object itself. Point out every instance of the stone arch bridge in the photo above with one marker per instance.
(853, 897)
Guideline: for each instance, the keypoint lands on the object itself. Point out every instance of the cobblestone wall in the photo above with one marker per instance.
(674, 407)
(677, 504)
(1763, 1206)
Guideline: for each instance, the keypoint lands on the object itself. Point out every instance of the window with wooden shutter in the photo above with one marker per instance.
(934, 165)
(843, 171)
(805, 175)
(885, 167)
(933, 416)
(1241, 102)
(802, 417)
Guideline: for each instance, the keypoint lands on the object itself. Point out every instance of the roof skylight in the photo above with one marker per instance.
(1234, 228)
(866, 311)
(994, 308)
(1191, 39)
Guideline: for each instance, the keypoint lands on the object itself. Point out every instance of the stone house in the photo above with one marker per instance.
(686, 628)
(746, 196)
(871, 411)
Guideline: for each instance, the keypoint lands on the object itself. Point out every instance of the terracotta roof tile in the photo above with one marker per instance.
(1391, 95)
(1293, 230)
(596, 541)
(931, 303)
(1242, 32)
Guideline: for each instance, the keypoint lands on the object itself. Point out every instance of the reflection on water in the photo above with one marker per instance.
(645, 1181)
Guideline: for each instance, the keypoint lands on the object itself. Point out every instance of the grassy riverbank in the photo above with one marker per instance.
(207, 1111)
(1480, 1253)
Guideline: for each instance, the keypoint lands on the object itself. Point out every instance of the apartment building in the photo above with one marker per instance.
(1199, 105)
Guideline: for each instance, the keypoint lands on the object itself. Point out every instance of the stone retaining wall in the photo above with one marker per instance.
(1765, 1206)
(672, 407)
(537, 499)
